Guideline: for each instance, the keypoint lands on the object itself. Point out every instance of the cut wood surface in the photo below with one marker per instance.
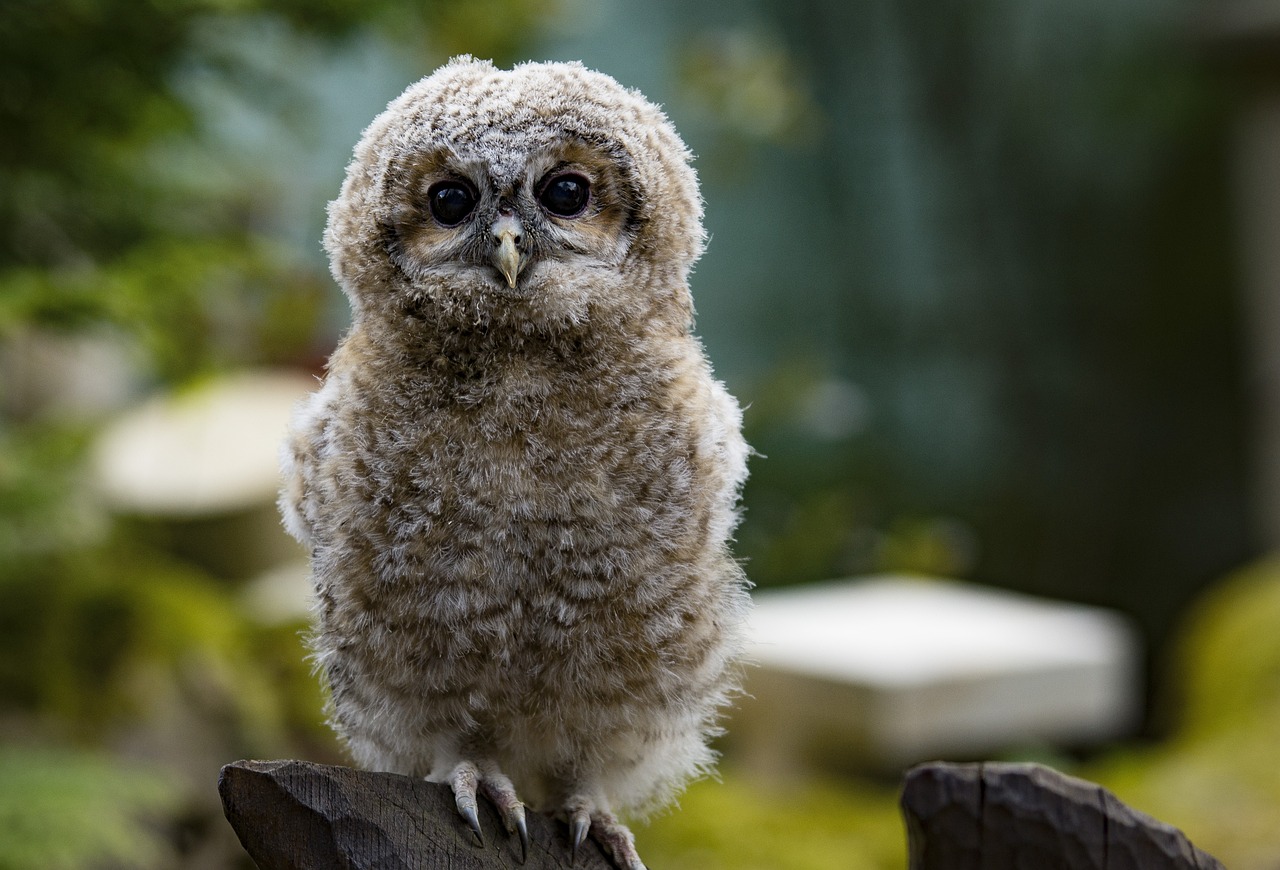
(990, 816)
(296, 815)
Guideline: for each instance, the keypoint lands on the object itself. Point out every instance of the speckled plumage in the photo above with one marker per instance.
(518, 495)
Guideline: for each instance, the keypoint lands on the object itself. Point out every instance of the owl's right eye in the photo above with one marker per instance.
(450, 202)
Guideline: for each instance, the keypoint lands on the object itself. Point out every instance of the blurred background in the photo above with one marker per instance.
(998, 281)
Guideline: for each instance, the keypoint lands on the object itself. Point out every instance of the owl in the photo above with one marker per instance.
(519, 479)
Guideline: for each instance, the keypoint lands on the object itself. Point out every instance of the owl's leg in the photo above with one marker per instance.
(468, 779)
(587, 814)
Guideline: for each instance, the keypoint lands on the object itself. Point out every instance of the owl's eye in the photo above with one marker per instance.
(450, 201)
(566, 195)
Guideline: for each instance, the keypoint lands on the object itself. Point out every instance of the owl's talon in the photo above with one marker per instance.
(616, 840)
(523, 830)
(579, 825)
(502, 794)
(468, 812)
(463, 781)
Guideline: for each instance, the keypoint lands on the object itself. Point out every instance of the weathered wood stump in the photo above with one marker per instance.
(295, 815)
(990, 816)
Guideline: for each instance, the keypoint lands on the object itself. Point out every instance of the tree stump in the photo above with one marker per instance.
(990, 816)
(295, 815)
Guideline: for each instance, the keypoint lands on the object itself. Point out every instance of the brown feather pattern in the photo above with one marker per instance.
(519, 503)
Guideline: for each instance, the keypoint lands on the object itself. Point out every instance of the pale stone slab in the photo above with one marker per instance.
(893, 670)
(208, 450)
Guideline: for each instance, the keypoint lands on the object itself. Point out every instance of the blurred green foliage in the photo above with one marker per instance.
(63, 810)
(101, 637)
(1218, 776)
(106, 642)
(193, 306)
(44, 506)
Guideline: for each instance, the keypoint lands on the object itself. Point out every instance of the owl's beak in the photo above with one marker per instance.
(507, 232)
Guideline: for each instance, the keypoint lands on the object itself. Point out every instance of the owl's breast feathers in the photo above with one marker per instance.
(574, 485)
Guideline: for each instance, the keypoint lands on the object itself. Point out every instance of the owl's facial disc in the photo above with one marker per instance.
(508, 233)
(548, 226)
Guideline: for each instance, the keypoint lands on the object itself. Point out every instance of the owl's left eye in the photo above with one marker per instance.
(565, 195)
(450, 201)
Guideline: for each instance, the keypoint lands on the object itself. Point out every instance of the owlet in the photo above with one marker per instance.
(519, 479)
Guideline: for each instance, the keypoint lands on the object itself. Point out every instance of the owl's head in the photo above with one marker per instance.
(543, 197)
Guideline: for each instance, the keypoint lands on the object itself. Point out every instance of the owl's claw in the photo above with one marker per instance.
(578, 827)
(468, 812)
(613, 836)
(523, 830)
(502, 794)
(468, 779)
(463, 780)
(618, 842)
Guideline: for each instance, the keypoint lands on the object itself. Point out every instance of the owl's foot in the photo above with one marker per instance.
(613, 836)
(469, 779)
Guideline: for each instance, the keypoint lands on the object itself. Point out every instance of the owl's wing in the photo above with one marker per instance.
(722, 438)
(299, 458)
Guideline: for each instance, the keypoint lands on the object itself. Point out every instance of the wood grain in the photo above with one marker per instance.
(993, 816)
(296, 815)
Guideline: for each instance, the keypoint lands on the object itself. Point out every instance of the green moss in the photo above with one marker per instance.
(1230, 654)
(744, 824)
(1218, 777)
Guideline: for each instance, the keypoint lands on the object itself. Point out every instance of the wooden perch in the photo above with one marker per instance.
(990, 816)
(295, 815)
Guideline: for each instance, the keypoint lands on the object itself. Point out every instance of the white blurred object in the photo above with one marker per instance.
(887, 671)
(210, 449)
(281, 594)
(199, 470)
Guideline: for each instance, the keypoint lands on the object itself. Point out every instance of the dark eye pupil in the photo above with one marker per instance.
(450, 202)
(566, 196)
